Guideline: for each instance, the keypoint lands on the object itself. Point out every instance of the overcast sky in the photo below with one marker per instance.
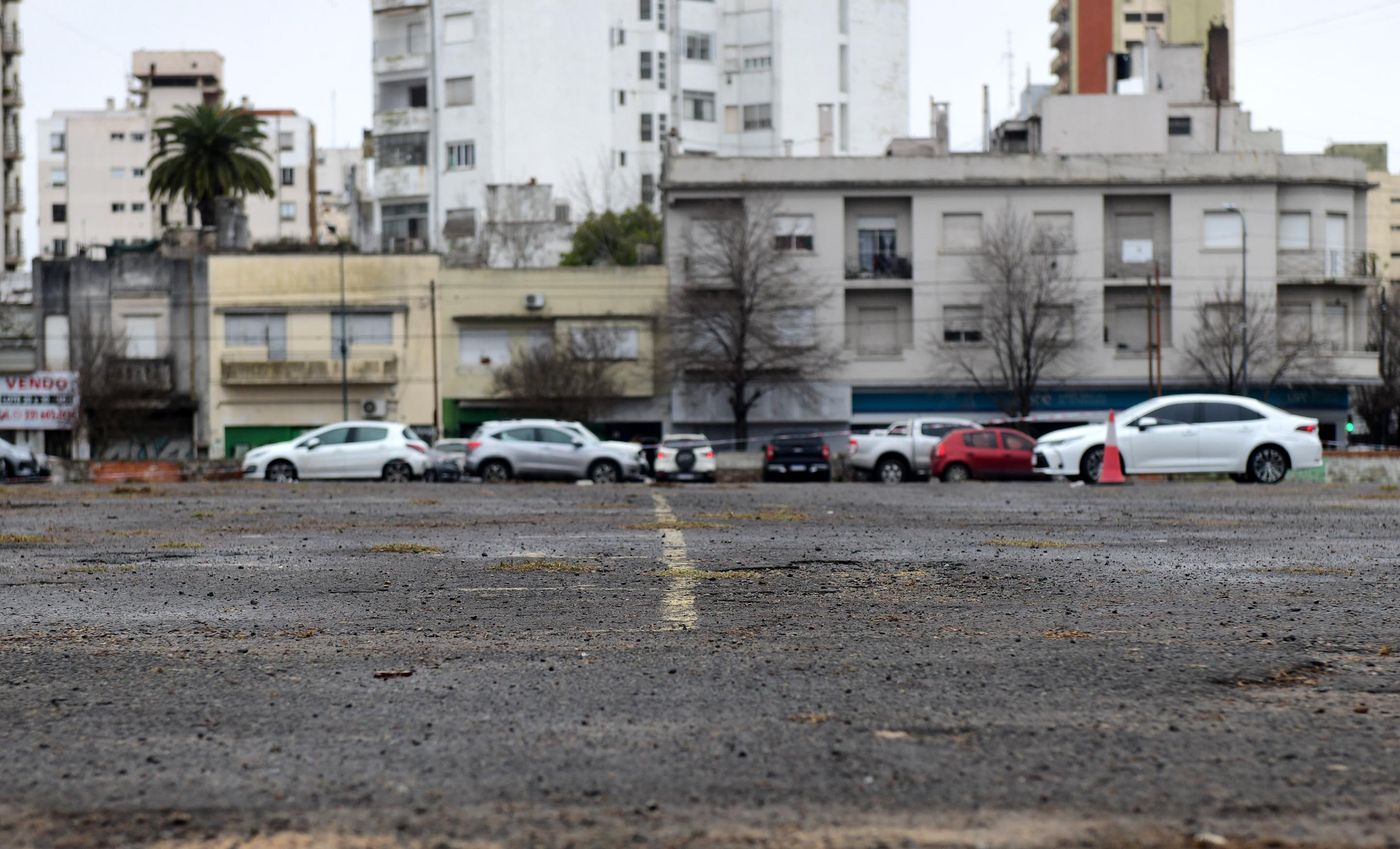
(1319, 72)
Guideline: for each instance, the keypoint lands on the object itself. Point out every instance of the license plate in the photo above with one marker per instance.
(798, 467)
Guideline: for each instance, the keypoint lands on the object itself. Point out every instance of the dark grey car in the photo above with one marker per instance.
(548, 448)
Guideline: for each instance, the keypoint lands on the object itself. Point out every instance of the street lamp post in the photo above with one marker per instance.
(1244, 297)
(344, 339)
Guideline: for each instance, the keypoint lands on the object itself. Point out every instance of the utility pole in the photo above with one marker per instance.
(1151, 340)
(1244, 297)
(1157, 314)
(344, 338)
(437, 399)
(1385, 375)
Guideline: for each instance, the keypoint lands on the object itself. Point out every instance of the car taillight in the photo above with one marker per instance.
(1308, 428)
(941, 450)
(473, 445)
(419, 447)
(826, 451)
(662, 453)
(854, 444)
(709, 454)
(768, 452)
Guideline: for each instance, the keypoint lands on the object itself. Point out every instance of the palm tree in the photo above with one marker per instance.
(205, 152)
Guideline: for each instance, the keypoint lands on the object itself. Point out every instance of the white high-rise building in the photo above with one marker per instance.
(573, 99)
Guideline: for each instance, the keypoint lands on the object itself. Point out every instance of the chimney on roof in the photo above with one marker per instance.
(111, 104)
(825, 142)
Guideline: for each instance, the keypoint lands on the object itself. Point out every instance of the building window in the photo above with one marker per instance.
(1156, 17)
(418, 96)
(256, 330)
(289, 176)
(597, 343)
(138, 171)
(57, 142)
(58, 178)
(402, 149)
(758, 116)
(404, 226)
(118, 136)
(288, 211)
(843, 16)
(661, 15)
(962, 325)
(962, 232)
(141, 338)
(119, 207)
(621, 97)
(661, 123)
(461, 91)
(697, 46)
(60, 213)
(139, 206)
(461, 155)
(1056, 229)
(661, 69)
(644, 65)
(562, 212)
(458, 28)
(1179, 125)
(622, 159)
(1223, 230)
(843, 68)
(646, 133)
(138, 137)
(1294, 231)
(118, 172)
(699, 105)
(644, 10)
(757, 63)
(488, 348)
(364, 328)
(460, 224)
(1133, 17)
(285, 141)
(648, 189)
(60, 248)
(793, 232)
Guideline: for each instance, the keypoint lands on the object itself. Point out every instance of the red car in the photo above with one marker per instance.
(992, 453)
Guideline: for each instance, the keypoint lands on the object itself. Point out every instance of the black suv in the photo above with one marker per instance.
(797, 457)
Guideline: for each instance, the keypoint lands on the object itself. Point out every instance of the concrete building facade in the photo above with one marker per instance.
(574, 99)
(1383, 204)
(11, 99)
(1127, 215)
(93, 163)
(1098, 43)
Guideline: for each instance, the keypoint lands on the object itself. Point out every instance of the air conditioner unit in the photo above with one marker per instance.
(534, 301)
(374, 408)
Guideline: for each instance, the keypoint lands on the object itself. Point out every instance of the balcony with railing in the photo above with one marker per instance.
(260, 368)
(879, 266)
(390, 121)
(1330, 265)
(14, 197)
(9, 40)
(143, 376)
(14, 248)
(395, 55)
(393, 5)
(13, 148)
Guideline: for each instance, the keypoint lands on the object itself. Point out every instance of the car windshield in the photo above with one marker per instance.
(452, 447)
(685, 442)
(584, 433)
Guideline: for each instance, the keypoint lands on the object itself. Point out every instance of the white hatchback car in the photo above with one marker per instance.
(1251, 441)
(685, 457)
(366, 450)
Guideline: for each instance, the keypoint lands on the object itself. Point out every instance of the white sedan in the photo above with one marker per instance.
(1249, 440)
(367, 450)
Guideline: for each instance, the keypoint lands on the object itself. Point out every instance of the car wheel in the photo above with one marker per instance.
(430, 476)
(1268, 464)
(397, 471)
(957, 473)
(5, 471)
(280, 471)
(1240, 478)
(1091, 464)
(891, 470)
(604, 472)
(494, 471)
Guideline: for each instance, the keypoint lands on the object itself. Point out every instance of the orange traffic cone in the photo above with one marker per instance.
(1112, 470)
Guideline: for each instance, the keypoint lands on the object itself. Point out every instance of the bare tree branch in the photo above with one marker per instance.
(573, 378)
(743, 321)
(519, 220)
(1379, 405)
(1219, 346)
(1028, 308)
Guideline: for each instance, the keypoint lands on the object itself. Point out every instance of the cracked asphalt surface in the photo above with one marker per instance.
(370, 665)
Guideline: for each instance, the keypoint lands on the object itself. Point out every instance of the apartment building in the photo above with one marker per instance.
(344, 197)
(1098, 43)
(11, 99)
(93, 163)
(574, 99)
(1383, 204)
(891, 241)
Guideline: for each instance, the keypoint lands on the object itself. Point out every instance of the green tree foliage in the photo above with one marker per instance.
(630, 237)
(205, 152)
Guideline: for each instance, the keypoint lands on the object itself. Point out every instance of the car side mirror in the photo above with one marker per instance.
(578, 443)
(312, 443)
(1146, 422)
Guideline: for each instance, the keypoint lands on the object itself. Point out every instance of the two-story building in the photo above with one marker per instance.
(891, 241)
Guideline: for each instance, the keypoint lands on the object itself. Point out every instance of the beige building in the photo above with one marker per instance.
(93, 163)
(11, 99)
(274, 339)
(1382, 205)
(486, 317)
(1098, 43)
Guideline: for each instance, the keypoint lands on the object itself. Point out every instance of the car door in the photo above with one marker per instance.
(1016, 455)
(1227, 434)
(323, 460)
(369, 450)
(520, 450)
(983, 454)
(1170, 445)
(559, 456)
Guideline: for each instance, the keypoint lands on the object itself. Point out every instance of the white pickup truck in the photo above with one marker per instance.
(903, 450)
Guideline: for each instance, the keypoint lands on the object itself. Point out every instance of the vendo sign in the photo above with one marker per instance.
(44, 400)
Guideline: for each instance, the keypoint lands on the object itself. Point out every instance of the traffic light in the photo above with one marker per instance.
(1351, 426)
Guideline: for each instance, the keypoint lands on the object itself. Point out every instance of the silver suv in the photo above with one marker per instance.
(547, 448)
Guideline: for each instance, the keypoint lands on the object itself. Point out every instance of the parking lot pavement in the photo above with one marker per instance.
(735, 665)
